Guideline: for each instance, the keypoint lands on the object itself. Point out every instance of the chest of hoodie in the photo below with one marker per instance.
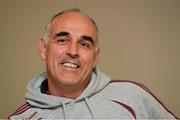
(97, 106)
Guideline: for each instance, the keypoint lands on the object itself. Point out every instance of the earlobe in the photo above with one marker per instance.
(42, 49)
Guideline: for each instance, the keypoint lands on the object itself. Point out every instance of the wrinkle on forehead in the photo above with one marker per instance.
(76, 21)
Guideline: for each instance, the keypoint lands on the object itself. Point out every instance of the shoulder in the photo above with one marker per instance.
(21, 110)
(130, 86)
(134, 89)
(139, 94)
(125, 89)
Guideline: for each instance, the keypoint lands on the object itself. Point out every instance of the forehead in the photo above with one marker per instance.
(74, 22)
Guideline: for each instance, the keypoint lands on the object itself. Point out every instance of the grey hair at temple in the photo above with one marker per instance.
(48, 26)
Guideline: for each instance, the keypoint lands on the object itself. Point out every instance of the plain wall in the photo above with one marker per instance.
(139, 41)
(179, 49)
(1, 95)
(178, 37)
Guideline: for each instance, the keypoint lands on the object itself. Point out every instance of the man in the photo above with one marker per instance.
(73, 87)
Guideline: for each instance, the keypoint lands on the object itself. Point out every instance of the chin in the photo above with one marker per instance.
(70, 82)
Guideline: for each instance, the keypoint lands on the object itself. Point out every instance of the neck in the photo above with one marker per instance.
(68, 91)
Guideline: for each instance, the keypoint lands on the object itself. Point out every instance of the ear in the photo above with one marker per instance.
(42, 49)
(97, 51)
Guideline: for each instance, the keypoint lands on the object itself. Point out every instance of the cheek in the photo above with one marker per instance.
(89, 60)
(54, 53)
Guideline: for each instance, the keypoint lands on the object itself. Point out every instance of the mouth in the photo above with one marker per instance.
(70, 65)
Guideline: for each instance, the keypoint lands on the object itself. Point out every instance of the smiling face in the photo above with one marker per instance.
(71, 52)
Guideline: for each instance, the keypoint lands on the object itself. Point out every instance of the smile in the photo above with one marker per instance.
(70, 65)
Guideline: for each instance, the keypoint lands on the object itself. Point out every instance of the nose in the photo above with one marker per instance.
(72, 50)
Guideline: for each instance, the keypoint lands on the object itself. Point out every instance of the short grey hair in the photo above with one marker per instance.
(48, 26)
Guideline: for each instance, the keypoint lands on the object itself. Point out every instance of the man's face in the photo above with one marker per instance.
(71, 52)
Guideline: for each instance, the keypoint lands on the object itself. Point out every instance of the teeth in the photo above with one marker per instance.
(70, 65)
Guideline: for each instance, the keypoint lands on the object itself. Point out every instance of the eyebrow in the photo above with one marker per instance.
(88, 38)
(60, 34)
(84, 37)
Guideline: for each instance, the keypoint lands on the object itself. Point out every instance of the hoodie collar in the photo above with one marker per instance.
(35, 97)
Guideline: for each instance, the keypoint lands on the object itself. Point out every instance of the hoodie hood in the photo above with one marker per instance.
(36, 98)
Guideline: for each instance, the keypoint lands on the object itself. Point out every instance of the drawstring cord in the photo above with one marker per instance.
(86, 100)
(87, 103)
(64, 110)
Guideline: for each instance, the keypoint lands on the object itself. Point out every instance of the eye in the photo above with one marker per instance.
(62, 40)
(85, 44)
